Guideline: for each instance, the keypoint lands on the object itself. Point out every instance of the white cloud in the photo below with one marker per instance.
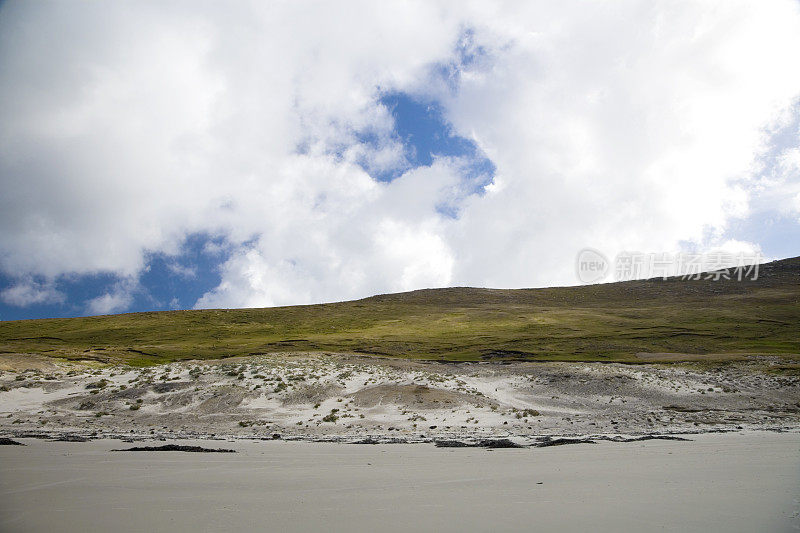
(28, 292)
(618, 129)
(111, 302)
(736, 247)
(108, 303)
(786, 192)
(183, 271)
(365, 238)
(627, 127)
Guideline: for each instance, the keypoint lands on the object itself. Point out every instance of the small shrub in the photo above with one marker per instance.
(98, 384)
(331, 417)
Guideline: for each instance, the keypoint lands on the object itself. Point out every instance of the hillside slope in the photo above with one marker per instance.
(702, 319)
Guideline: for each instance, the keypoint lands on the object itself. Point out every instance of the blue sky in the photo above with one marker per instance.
(178, 281)
(167, 282)
(188, 156)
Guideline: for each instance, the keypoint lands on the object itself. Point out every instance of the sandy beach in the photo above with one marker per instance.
(346, 443)
(717, 482)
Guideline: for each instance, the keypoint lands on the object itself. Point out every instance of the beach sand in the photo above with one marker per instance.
(748, 481)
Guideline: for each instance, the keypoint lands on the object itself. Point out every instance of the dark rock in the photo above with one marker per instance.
(452, 444)
(175, 448)
(499, 443)
(561, 441)
(4, 441)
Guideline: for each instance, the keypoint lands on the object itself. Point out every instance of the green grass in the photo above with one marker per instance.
(610, 322)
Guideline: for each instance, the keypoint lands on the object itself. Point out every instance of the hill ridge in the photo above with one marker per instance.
(603, 322)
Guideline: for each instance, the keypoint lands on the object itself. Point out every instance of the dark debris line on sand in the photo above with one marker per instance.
(643, 437)
(453, 444)
(499, 443)
(485, 443)
(70, 438)
(544, 442)
(175, 448)
(549, 441)
(5, 441)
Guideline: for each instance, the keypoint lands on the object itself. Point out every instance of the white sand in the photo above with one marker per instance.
(348, 397)
(718, 482)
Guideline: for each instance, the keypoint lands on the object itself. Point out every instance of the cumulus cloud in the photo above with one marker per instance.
(379, 237)
(788, 182)
(619, 129)
(627, 126)
(119, 298)
(108, 303)
(29, 292)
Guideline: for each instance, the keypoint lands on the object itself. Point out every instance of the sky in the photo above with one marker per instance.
(191, 154)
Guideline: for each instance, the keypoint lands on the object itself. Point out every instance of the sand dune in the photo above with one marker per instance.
(341, 397)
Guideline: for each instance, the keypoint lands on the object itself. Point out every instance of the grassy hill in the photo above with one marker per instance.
(609, 322)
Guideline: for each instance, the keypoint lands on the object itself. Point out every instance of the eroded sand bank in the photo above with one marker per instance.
(717, 482)
(339, 397)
